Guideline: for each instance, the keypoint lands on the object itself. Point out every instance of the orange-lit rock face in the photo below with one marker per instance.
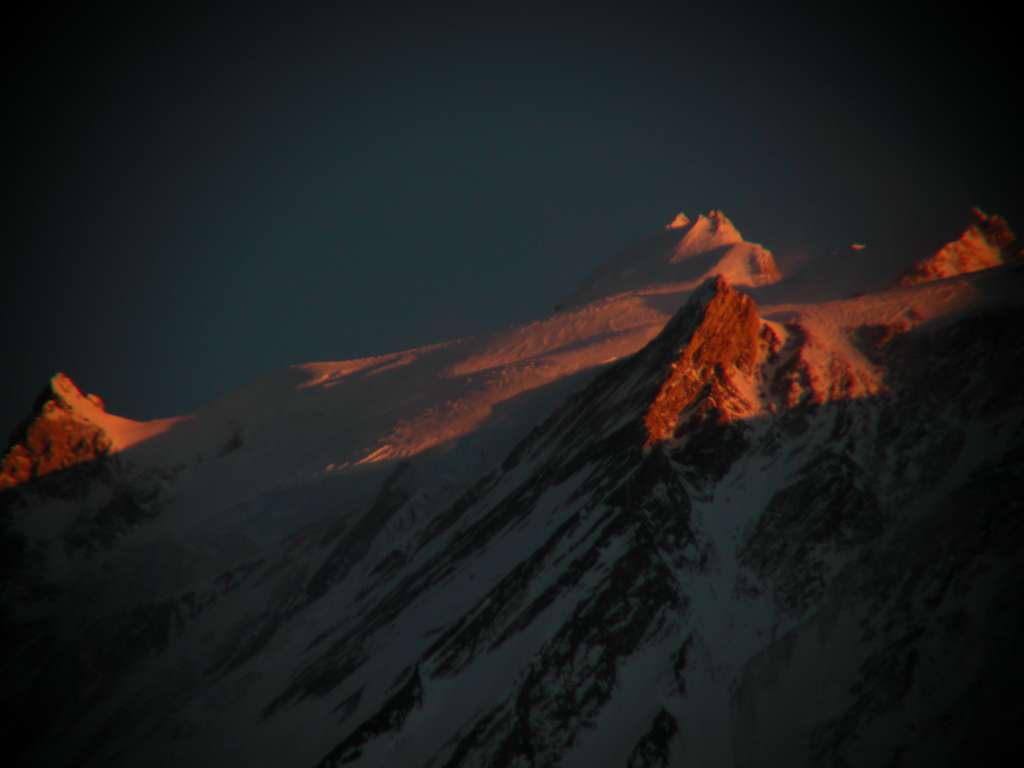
(679, 222)
(985, 244)
(54, 440)
(720, 349)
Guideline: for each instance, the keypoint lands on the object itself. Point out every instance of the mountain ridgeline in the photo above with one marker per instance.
(673, 525)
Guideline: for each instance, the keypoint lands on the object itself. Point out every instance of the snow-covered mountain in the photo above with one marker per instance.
(682, 521)
(680, 258)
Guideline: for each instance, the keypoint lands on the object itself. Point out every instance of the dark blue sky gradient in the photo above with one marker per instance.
(199, 199)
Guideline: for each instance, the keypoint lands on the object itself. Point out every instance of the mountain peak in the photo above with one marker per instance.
(57, 435)
(714, 287)
(715, 341)
(987, 242)
(69, 395)
(705, 234)
(679, 258)
(681, 221)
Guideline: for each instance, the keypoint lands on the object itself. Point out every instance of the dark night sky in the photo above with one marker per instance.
(198, 199)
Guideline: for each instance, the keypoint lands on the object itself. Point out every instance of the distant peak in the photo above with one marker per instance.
(679, 222)
(719, 220)
(706, 233)
(679, 258)
(713, 223)
(55, 436)
(986, 243)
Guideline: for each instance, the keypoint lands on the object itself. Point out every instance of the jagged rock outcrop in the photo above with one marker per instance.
(720, 347)
(653, 749)
(54, 438)
(986, 243)
(681, 220)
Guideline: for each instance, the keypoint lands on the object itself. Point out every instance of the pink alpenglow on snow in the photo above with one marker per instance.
(678, 259)
(679, 222)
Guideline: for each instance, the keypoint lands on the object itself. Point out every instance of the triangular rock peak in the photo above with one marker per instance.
(716, 340)
(55, 437)
(681, 221)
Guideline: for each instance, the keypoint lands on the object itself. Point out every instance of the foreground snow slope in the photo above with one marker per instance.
(666, 527)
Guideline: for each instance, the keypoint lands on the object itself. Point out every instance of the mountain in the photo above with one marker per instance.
(986, 243)
(680, 523)
(680, 258)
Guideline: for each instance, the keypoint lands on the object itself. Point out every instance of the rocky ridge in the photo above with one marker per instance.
(55, 437)
(986, 243)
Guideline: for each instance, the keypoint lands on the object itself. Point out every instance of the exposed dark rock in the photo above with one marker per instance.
(679, 664)
(128, 507)
(355, 543)
(652, 751)
(389, 718)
